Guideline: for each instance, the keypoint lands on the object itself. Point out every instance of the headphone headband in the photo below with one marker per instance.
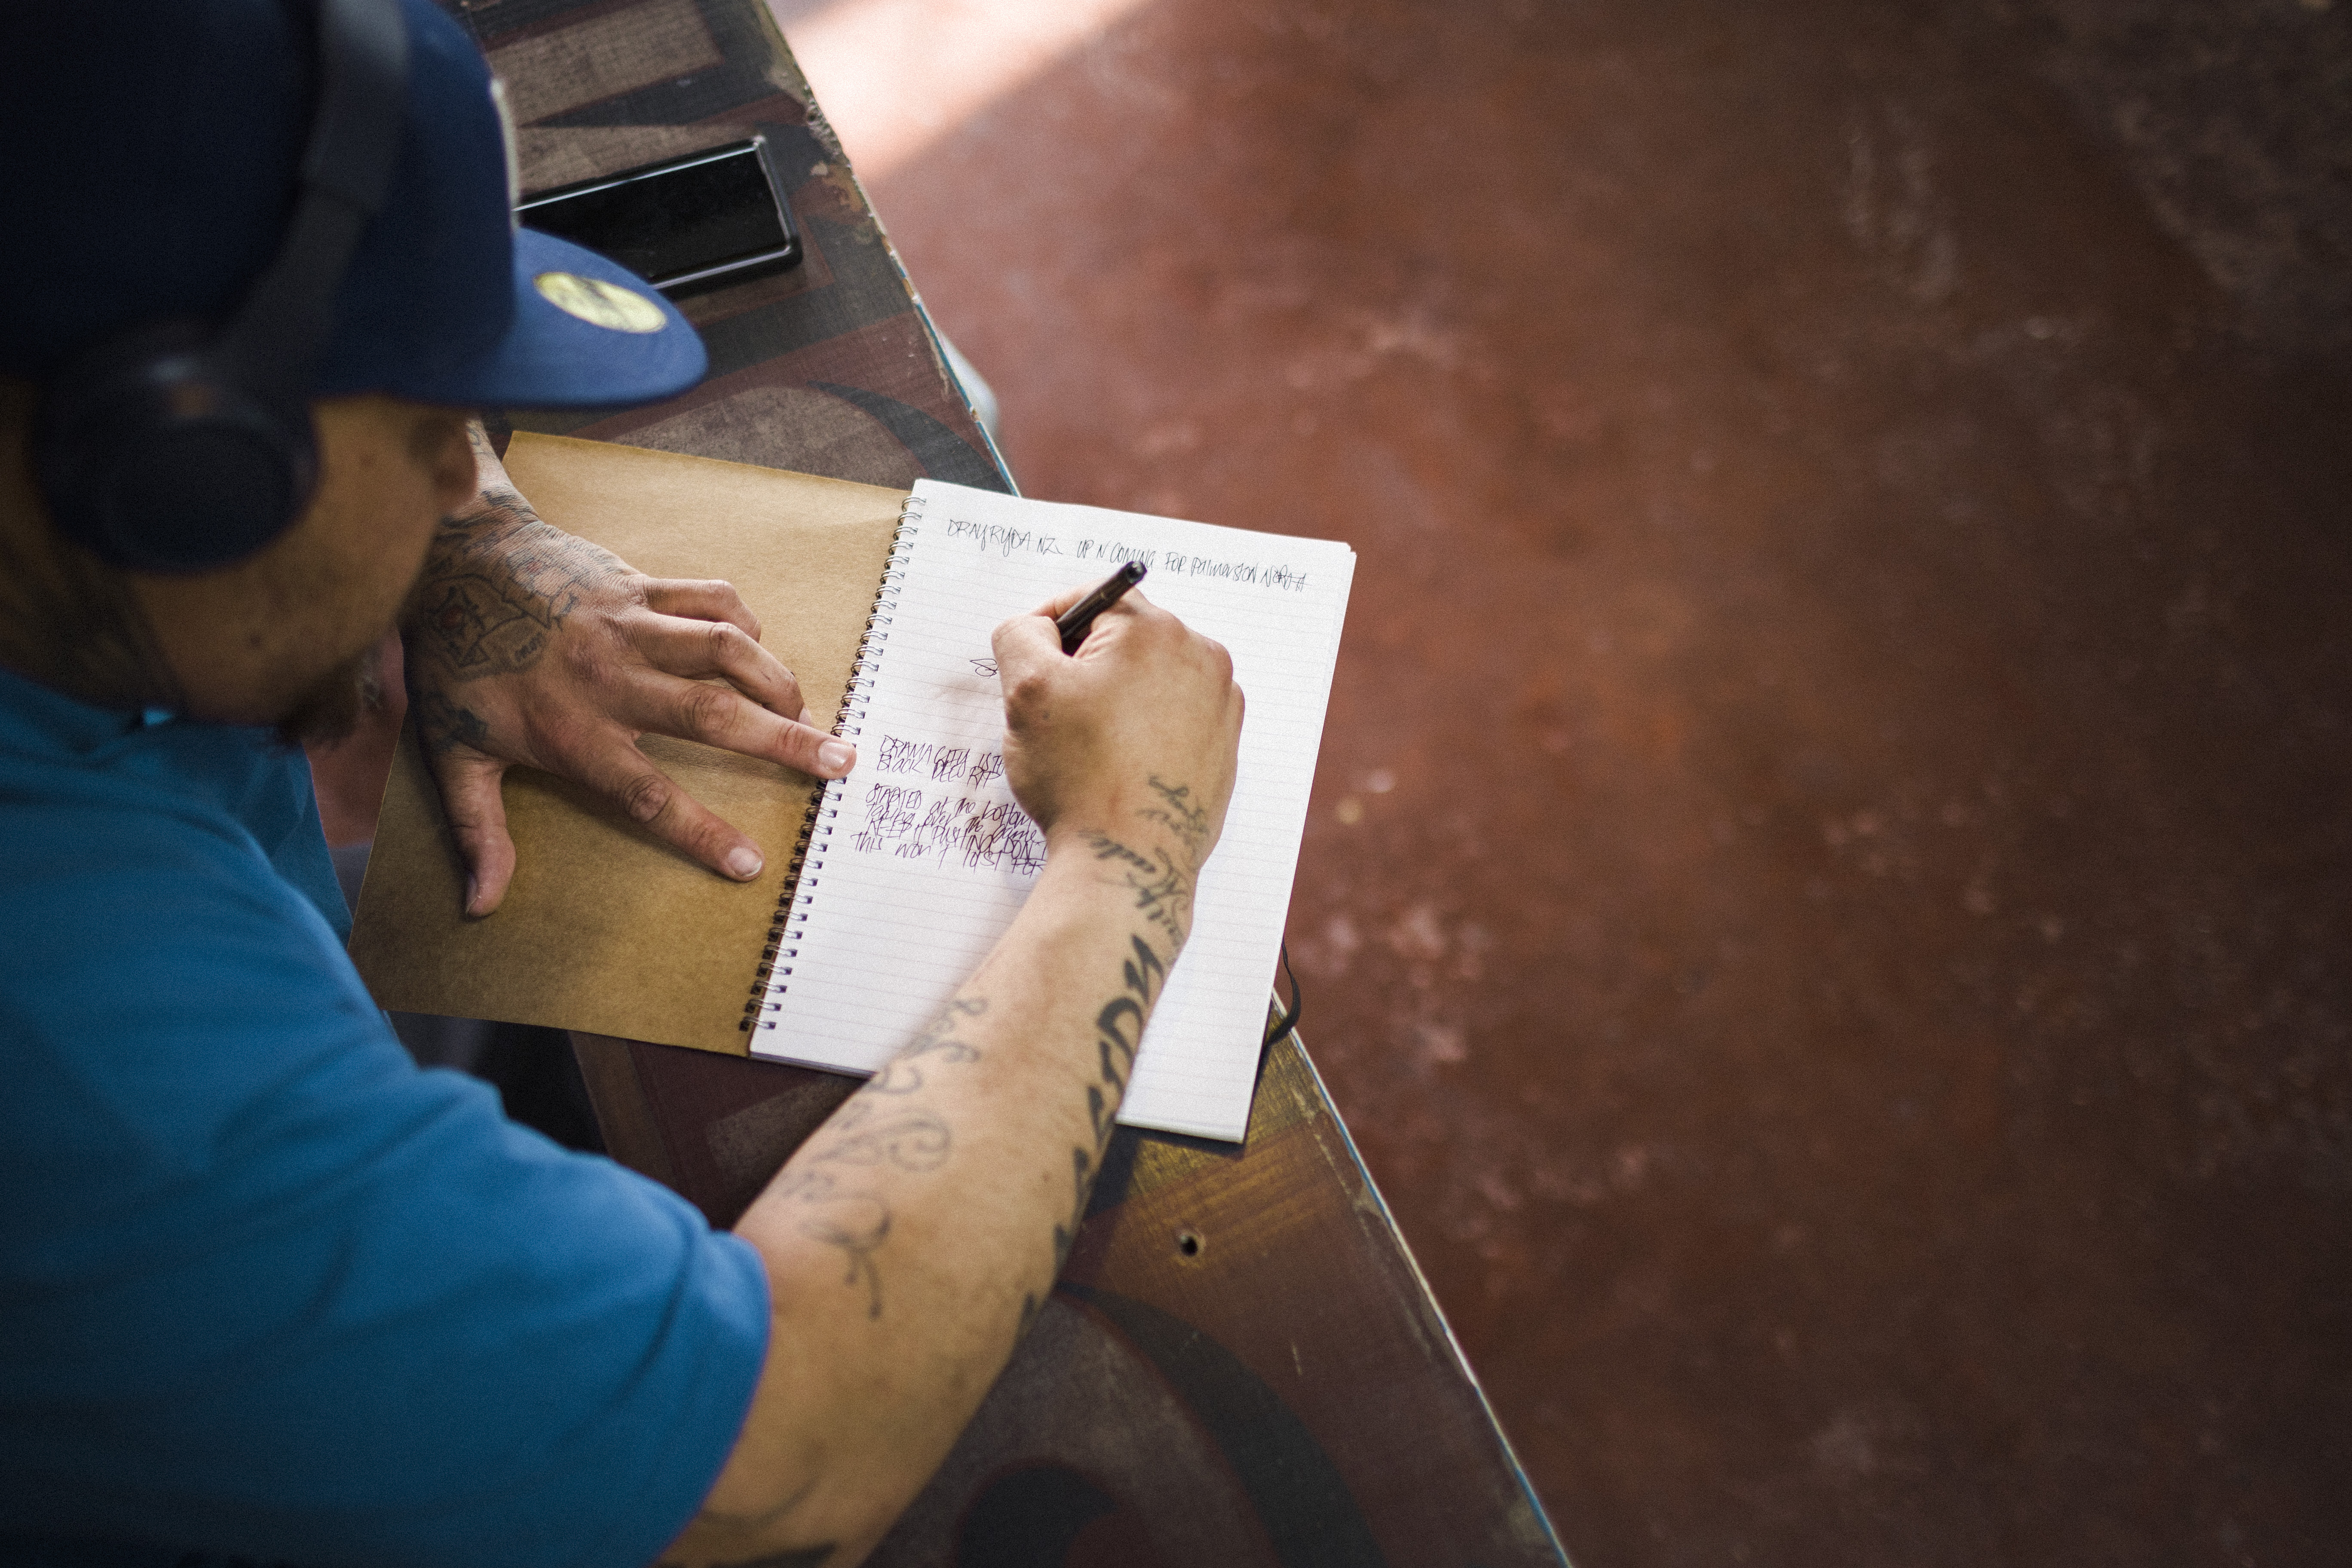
(279, 332)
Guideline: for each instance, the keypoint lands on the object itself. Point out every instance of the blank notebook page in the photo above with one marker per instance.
(919, 858)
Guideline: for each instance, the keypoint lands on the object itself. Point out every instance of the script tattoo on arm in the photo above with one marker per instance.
(903, 1074)
(1164, 897)
(497, 585)
(1162, 892)
(1180, 815)
(1118, 1031)
(877, 1129)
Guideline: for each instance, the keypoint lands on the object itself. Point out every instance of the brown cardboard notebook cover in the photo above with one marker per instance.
(605, 928)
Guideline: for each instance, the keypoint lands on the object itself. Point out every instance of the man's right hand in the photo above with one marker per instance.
(1133, 736)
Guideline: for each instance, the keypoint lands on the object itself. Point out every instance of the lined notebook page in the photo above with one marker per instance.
(920, 858)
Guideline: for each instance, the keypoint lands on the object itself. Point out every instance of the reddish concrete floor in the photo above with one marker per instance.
(1826, 905)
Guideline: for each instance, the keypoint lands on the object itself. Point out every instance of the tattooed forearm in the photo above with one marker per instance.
(1162, 892)
(908, 1140)
(1180, 815)
(877, 1129)
(1118, 1031)
(903, 1074)
(1163, 896)
(856, 1222)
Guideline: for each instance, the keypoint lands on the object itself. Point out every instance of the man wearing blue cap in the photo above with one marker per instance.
(267, 1291)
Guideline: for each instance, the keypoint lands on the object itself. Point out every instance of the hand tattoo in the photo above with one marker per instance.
(445, 725)
(498, 585)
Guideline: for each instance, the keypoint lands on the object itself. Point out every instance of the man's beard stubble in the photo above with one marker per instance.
(329, 709)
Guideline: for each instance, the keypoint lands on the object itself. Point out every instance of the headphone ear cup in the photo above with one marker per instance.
(156, 456)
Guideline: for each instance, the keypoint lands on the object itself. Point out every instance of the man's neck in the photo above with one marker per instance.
(67, 619)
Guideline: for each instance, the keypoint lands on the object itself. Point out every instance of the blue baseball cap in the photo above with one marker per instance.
(149, 160)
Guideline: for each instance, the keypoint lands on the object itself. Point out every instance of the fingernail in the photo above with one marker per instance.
(806, 718)
(473, 891)
(834, 756)
(744, 863)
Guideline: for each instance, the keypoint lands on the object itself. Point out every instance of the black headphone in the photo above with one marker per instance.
(175, 447)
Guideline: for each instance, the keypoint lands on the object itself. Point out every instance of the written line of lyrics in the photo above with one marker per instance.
(998, 538)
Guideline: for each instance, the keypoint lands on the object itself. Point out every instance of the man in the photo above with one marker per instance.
(267, 1291)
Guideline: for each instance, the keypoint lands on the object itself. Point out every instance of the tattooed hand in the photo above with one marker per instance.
(526, 645)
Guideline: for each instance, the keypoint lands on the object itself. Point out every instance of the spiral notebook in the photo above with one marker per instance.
(916, 862)
(608, 931)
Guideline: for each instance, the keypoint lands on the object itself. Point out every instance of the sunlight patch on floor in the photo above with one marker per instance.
(896, 76)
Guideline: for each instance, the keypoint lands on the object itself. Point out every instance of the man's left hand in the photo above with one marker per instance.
(526, 645)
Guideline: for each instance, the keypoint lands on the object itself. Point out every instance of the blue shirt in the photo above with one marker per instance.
(266, 1290)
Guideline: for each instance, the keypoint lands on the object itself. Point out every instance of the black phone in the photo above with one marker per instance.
(685, 224)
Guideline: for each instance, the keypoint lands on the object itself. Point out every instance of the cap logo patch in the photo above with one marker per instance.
(599, 303)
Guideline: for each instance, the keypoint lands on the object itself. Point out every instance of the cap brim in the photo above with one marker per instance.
(558, 357)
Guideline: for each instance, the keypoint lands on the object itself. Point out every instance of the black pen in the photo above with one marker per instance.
(1072, 622)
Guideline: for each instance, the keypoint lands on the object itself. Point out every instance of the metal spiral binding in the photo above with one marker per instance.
(789, 922)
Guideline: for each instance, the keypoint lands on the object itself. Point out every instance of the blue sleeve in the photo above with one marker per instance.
(268, 1290)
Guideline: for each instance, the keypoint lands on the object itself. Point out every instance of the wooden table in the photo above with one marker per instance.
(1240, 1365)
